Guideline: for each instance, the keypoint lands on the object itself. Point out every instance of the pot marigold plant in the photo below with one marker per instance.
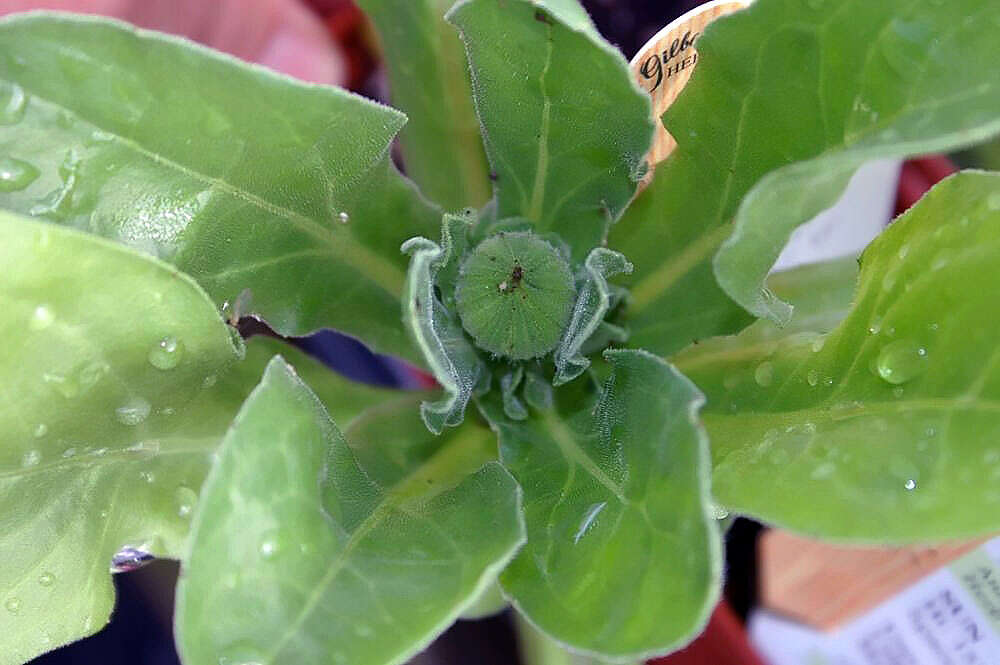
(580, 450)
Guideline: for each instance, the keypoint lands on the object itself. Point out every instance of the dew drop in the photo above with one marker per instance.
(91, 373)
(344, 217)
(40, 430)
(130, 558)
(824, 470)
(890, 279)
(910, 484)
(209, 381)
(64, 385)
(186, 499)
(812, 378)
(167, 353)
(901, 361)
(941, 260)
(41, 318)
(269, 548)
(13, 110)
(133, 412)
(31, 458)
(148, 476)
(764, 374)
(818, 344)
(69, 453)
(46, 579)
(16, 174)
(13, 605)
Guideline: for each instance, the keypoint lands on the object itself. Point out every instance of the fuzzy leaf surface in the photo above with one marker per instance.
(305, 550)
(885, 430)
(429, 81)
(622, 559)
(800, 95)
(566, 129)
(233, 173)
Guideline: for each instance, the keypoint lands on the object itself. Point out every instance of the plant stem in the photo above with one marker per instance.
(536, 648)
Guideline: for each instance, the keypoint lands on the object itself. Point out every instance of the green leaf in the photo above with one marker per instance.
(429, 80)
(566, 128)
(108, 419)
(303, 551)
(436, 332)
(235, 174)
(886, 429)
(622, 558)
(788, 99)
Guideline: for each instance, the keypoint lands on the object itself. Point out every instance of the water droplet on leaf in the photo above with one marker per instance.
(41, 318)
(764, 374)
(167, 353)
(186, 499)
(31, 458)
(910, 484)
(40, 430)
(901, 361)
(16, 174)
(344, 217)
(133, 412)
(130, 558)
(46, 579)
(13, 605)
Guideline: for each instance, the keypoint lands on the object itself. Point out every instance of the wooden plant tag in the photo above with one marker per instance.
(663, 66)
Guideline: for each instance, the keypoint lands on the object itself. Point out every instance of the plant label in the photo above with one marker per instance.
(664, 65)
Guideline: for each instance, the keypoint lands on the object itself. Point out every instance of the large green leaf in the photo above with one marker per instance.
(887, 428)
(305, 552)
(442, 147)
(107, 433)
(241, 177)
(566, 127)
(622, 558)
(108, 418)
(802, 93)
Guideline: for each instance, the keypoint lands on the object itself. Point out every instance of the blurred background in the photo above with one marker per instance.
(329, 41)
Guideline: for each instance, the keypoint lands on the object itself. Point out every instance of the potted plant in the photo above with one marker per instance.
(605, 394)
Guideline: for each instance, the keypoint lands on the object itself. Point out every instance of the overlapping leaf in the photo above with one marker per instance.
(307, 550)
(240, 177)
(108, 418)
(886, 429)
(566, 128)
(622, 558)
(789, 98)
(429, 79)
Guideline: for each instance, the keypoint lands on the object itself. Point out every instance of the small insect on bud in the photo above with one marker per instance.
(515, 294)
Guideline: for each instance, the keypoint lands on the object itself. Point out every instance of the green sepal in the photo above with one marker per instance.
(592, 303)
(449, 355)
(512, 404)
